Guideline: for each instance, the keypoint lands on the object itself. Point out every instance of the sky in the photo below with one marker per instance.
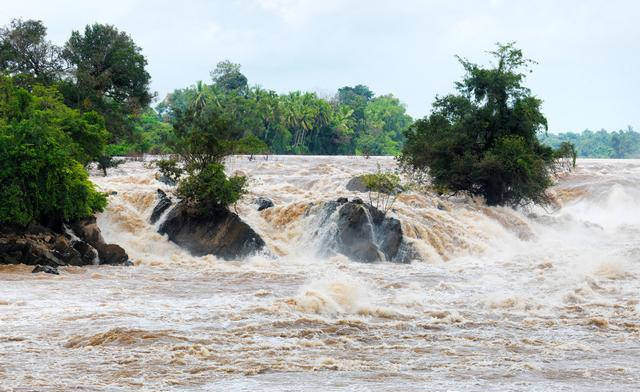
(588, 72)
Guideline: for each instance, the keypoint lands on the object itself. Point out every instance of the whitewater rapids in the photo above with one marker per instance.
(499, 300)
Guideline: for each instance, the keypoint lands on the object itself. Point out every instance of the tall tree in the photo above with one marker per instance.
(227, 76)
(108, 75)
(483, 140)
(25, 51)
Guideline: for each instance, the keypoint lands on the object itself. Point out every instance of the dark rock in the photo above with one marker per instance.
(113, 193)
(37, 245)
(112, 254)
(27, 248)
(362, 232)
(46, 269)
(342, 200)
(88, 231)
(165, 180)
(357, 200)
(219, 232)
(164, 202)
(356, 185)
(263, 203)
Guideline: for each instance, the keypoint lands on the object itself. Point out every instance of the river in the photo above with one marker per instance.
(501, 300)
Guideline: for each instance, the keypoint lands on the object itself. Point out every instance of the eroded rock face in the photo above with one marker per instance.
(164, 202)
(87, 229)
(219, 232)
(363, 233)
(82, 244)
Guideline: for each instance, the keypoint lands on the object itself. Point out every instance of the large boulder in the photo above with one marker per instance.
(88, 231)
(37, 245)
(164, 202)
(219, 232)
(362, 232)
(263, 203)
(357, 185)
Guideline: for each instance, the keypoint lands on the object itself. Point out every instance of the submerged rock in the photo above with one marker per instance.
(164, 202)
(263, 203)
(362, 232)
(46, 269)
(219, 232)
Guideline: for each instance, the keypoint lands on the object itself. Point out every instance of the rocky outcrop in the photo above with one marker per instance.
(164, 202)
(165, 180)
(263, 203)
(47, 269)
(219, 232)
(356, 185)
(362, 232)
(87, 229)
(81, 244)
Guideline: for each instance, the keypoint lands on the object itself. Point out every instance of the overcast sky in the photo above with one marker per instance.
(588, 51)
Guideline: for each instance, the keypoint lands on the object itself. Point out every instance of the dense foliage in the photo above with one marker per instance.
(298, 122)
(25, 51)
(204, 136)
(601, 144)
(483, 140)
(43, 146)
(100, 70)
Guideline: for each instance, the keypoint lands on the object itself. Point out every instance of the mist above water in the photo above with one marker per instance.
(497, 298)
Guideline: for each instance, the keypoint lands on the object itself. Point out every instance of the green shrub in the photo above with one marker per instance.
(383, 188)
(40, 180)
(210, 188)
(170, 169)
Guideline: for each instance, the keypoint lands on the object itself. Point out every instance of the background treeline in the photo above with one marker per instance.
(601, 144)
(354, 121)
(102, 70)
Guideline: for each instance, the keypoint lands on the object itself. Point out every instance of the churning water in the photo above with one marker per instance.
(501, 300)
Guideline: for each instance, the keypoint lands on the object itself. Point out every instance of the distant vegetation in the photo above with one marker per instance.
(354, 121)
(89, 100)
(483, 140)
(601, 144)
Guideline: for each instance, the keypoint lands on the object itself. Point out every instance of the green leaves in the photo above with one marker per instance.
(210, 188)
(42, 177)
(383, 188)
(484, 140)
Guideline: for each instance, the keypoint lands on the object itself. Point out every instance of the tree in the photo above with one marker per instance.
(227, 76)
(42, 178)
(483, 140)
(108, 76)
(204, 137)
(25, 51)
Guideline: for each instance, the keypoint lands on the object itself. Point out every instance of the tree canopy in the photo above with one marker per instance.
(354, 121)
(43, 146)
(483, 140)
(108, 75)
(25, 51)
